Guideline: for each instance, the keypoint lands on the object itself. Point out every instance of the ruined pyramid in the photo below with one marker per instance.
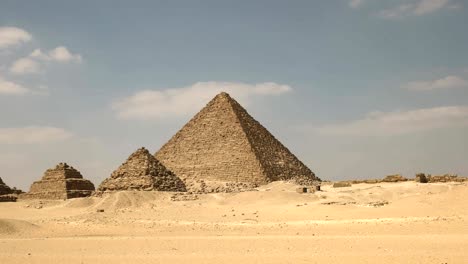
(61, 182)
(224, 143)
(142, 171)
(6, 193)
(4, 189)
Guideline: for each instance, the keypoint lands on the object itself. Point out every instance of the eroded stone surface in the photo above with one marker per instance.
(224, 143)
(394, 178)
(142, 171)
(61, 182)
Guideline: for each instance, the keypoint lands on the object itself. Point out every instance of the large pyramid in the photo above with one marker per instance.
(61, 182)
(143, 172)
(224, 143)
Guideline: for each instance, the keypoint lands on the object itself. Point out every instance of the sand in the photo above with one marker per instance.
(367, 223)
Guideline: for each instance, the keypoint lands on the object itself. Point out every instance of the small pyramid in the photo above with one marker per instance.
(61, 182)
(224, 143)
(4, 189)
(142, 171)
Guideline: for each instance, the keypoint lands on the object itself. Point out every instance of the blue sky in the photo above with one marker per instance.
(355, 88)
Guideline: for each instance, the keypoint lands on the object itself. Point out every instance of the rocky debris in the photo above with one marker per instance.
(341, 184)
(307, 189)
(202, 186)
(337, 203)
(184, 197)
(8, 198)
(305, 181)
(377, 203)
(143, 172)
(394, 178)
(61, 182)
(421, 178)
(446, 178)
(369, 181)
(224, 143)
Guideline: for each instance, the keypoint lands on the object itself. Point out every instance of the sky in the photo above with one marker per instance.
(355, 88)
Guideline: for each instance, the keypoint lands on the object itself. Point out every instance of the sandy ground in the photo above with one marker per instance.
(366, 223)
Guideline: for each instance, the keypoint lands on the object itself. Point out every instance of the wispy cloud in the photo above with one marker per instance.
(33, 134)
(25, 66)
(32, 63)
(12, 36)
(155, 104)
(59, 54)
(417, 8)
(355, 3)
(400, 122)
(11, 88)
(448, 82)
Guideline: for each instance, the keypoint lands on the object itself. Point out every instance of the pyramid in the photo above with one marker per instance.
(142, 171)
(4, 189)
(61, 182)
(224, 143)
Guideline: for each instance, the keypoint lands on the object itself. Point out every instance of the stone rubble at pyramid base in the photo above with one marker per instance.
(8, 198)
(143, 183)
(205, 186)
(56, 195)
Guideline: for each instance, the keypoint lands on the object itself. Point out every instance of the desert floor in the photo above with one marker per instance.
(366, 223)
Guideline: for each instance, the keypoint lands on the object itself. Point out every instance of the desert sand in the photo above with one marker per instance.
(404, 222)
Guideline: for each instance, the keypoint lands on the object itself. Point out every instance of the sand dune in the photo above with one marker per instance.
(387, 222)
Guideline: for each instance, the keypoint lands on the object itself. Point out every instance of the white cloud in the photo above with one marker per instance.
(24, 66)
(12, 36)
(154, 104)
(32, 134)
(416, 8)
(31, 63)
(400, 122)
(11, 88)
(62, 54)
(443, 83)
(355, 3)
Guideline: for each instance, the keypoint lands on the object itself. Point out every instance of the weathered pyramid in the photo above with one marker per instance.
(61, 182)
(224, 143)
(4, 189)
(143, 172)
(6, 193)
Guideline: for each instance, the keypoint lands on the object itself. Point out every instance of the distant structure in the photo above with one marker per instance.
(224, 143)
(61, 182)
(142, 171)
(4, 189)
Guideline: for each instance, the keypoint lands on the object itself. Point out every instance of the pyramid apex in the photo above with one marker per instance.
(141, 150)
(223, 94)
